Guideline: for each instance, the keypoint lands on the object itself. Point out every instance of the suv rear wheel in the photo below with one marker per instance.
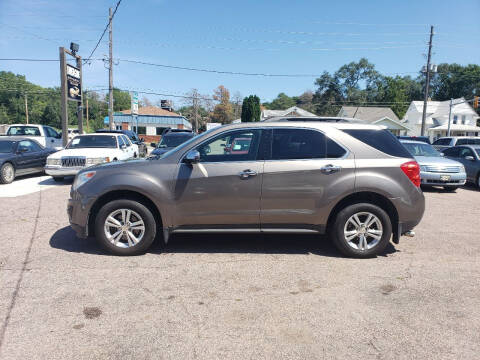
(361, 230)
(125, 227)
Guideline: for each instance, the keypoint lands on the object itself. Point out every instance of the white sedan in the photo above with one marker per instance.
(87, 150)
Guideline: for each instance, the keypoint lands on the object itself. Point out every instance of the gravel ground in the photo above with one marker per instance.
(238, 297)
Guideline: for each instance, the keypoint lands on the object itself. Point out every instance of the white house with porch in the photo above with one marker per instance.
(463, 118)
(375, 115)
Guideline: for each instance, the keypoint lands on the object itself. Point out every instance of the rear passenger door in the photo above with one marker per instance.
(304, 174)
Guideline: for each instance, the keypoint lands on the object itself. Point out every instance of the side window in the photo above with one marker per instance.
(25, 146)
(49, 131)
(34, 146)
(303, 144)
(452, 152)
(442, 142)
(462, 142)
(126, 141)
(120, 141)
(465, 152)
(239, 145)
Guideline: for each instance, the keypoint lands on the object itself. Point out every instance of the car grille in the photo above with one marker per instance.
(442, 169)
(73, 161)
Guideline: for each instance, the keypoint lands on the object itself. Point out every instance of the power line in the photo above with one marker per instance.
(104, 31)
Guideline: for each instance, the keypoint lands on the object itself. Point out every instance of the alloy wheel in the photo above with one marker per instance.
(8, 173)
(363, 231)
(124, 228)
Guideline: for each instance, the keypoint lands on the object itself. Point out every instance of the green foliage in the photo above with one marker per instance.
(251, 109)
(121, 100)
(281, 102)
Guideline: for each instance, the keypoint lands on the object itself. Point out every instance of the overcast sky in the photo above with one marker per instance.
(274, 37)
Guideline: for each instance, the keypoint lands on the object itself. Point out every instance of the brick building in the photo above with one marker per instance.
(152, 121)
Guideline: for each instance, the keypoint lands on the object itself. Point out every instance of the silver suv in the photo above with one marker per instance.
(355, 182)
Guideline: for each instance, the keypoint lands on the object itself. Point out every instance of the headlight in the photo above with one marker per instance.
(462, 169)
(82, 178)
(95, 161)
(54, 162)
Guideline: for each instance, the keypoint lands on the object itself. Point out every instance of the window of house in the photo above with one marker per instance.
(142, 130)
(160, 130)
(118, 127)
(464, 119)
(455, 119)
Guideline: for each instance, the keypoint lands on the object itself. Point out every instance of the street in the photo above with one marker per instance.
(238, 296)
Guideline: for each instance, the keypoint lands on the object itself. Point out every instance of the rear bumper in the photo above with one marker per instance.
(442, 179)
(62, 171)
(410, 210)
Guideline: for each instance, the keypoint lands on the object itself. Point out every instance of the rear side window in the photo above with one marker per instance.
(468, 142)
(442, 142)
(23, 130)
(382, 140)
(453, 152)
(293, 144)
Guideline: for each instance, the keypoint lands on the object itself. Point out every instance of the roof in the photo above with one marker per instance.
(151, 110)
(14, 138)
(293, 109)
(368, 113)
(312, 118)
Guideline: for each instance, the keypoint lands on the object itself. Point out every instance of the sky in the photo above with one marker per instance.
(249, 36)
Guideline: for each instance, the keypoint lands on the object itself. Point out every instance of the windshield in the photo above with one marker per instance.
(23, 130)
(6, 147)
(93, 141)
(173, 141)
(421, 149)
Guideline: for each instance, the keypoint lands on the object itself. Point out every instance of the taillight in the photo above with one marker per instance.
(412, 170)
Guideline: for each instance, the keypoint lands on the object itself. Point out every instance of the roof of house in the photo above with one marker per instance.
(441, 108)
(368, 113)
(290, 111)
(152, 111)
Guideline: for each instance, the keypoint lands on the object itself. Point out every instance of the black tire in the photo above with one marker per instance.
(145, 214)
(57, 178)
(450, 188)
(134, 155)
(337, 230)
(7, 173)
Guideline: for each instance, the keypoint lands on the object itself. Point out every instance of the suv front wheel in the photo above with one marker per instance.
(125, 227)
(361, 230)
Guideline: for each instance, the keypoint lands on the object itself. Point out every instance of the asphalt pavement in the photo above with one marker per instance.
(238, 296)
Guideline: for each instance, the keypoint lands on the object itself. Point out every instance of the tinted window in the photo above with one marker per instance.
(126, 141)
(452, 152)
(28, 146)
(468, 142)
(382, 140)
(173, 140)
(52, 133)
(445, 141)
(233, 146)
(120, 141)
(465, 152)
(6, 147)
(93, 141)
(298, 144)
(23, 130)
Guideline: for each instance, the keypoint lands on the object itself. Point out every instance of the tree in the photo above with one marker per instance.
(222, 112)
(251, 109)
(281, 102)
(121, 100)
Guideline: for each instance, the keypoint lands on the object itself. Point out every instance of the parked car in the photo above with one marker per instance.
(87, 150)
(435, 170)
(446, 142)
(424, 139)
(355, 182)
(134, 139)
(46, 136)
(469, 156)
(171, 139)
(21, 156)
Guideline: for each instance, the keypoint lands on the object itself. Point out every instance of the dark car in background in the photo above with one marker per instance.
(469, 156)
(21, 156)
(450, 141)
(171, 138)
(132, 135)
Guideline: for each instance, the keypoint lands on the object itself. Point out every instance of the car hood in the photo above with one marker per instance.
(160, 151)
(87, 152)
(434, 160)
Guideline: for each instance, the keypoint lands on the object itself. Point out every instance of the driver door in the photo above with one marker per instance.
(222, 190)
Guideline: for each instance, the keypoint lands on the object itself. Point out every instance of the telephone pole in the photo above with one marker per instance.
(26, 107)
(427, 82)
(110, 71)
(195, 109)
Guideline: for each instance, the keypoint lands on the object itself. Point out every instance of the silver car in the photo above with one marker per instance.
(435, 170)
(354, 182)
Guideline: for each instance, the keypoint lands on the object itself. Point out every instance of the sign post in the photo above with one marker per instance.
(134, 108)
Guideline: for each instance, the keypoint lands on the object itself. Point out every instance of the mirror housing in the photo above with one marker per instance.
(123, 147)
(192, 157)
(471, 158)
(59, 136)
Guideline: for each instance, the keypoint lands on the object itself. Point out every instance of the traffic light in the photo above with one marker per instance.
(475, 102)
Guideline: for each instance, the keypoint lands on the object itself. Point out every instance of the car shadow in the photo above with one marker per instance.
(65, 181)
(437, 189)
(287, 244)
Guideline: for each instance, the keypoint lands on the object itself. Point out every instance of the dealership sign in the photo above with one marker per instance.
(134, 103)
(74, 87)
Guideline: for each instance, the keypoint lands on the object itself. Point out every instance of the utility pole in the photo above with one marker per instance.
(427, 82)
(450, 116)
(195, 110)
(26, 107)
(80, 103)
(110, 71)
(86, 100)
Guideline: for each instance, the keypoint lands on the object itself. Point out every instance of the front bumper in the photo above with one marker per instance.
(78, 210)
(62, 171)
(443, 179)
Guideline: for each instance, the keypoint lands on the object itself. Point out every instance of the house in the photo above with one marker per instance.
(463, 118)
(152, 121)
(375, 115)
(292, 111)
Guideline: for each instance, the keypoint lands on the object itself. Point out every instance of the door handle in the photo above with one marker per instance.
(330, 169)
(245, 174)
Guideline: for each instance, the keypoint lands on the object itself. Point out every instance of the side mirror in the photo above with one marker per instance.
(59, 136)
(123, 147)
(153, 145)
(192, 157)
(471, 158)
(142, 140)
